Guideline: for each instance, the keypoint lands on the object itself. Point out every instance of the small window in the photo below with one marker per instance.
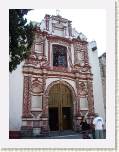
(59, 56)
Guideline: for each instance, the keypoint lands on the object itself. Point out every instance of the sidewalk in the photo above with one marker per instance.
(69, 134)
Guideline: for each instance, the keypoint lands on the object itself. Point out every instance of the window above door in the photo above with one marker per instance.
(59, 55)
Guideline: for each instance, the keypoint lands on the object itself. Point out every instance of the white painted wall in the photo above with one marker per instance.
(15, 98)
(97, 84)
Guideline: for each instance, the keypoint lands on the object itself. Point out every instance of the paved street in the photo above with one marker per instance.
(62, 135)
(75, 136)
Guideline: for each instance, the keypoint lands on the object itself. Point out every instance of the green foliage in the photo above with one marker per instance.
(20, 37)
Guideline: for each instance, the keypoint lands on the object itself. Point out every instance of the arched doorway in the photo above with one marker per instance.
(60, 108)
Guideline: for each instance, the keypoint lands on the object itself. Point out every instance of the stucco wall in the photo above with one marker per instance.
(97, 84)
(15, 98)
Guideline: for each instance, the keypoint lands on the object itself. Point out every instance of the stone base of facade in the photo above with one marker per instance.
(14, 134)
(43, 129)
(32, 128)
(26, 131)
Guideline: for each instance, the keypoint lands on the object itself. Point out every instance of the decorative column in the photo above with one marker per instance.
(47, 17)
(45, 125)
(27, 97)
(45, 99)
(90, 97)
(78, 98)
(86, 55)
(78, 116)
(69, 28)
(49, 52)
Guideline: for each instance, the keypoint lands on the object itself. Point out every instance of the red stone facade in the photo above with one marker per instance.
(38, 68)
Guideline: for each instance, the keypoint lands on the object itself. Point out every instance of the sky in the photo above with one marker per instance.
(91, 22)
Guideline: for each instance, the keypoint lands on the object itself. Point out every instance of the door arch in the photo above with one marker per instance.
(60, 109)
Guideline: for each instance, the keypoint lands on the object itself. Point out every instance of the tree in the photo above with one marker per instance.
(20, 37)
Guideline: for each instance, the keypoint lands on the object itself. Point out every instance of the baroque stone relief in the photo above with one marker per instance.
(27, 97)
(79, 59)
(39, 43)
(39, 38)
(37, 86)
(82, 89)
(79, 55)
(69, 56)
(37, 60)
(39, 47)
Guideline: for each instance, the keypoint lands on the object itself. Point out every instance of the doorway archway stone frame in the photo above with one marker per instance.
(73, 94)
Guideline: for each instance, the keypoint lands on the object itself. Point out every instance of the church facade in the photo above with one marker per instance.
(58, 83)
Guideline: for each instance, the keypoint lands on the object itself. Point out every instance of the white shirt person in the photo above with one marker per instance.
(99, 125)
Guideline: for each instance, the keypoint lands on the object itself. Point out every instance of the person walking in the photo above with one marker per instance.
(85, 127)
(99, 126)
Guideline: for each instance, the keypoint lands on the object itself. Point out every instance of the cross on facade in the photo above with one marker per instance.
(58, 12)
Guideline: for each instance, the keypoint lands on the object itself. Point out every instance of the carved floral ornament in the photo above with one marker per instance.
(39, 38)
(82, 88)
(36, 87)
(37, 59)
(59, 40)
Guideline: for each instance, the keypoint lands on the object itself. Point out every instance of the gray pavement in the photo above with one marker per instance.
(62, 135)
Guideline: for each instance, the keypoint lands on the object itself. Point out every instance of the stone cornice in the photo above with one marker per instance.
(29, 70)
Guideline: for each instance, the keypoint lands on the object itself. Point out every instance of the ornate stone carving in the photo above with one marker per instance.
(36, 114)
(80, 54)
(38, 68)
(90, 97)
(39, 47)
(69, 56)
(45, 107)
(39, 38)
(37, 86)
(37, 60)
(82, 89)
(27, 97)
(69, 86)
(60, 41)
(85, 69)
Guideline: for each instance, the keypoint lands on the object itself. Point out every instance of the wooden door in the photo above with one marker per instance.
(60, 98)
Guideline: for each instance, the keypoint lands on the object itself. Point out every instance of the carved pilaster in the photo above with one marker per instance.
(47, 17)
(48, 51)
(45, 106)
(86, 56)
(45, 99)
(70, 56)
(77, 98)
(90, 97)
(27, 97)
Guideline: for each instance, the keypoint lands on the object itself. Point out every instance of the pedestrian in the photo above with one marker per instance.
(99, 126)
(85, 127)
(92, 128)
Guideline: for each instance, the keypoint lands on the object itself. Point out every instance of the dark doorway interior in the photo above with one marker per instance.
(53, 119)
(67, 118)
